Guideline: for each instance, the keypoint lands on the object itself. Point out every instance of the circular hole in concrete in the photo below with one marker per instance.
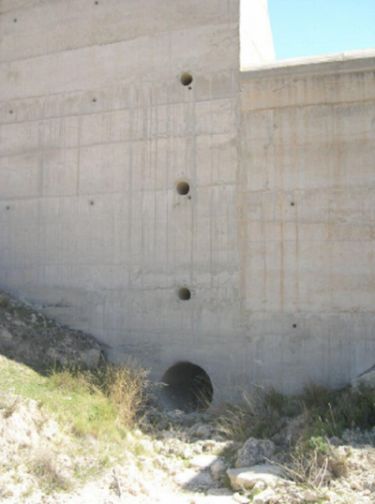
(186, 79)
(184, 294)
(15, 20)
(294, 326)
(182, 187)
(187, 387)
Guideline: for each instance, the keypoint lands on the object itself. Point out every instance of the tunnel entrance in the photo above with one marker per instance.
(187, 387)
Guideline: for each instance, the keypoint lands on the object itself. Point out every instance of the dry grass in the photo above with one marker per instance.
(126, 389)
(105, 403)
(95, 411)
(119, 393)
(322, 413)
(327, 412)
(49, 478)
(315, 462)
(332, 411)
(260, 415)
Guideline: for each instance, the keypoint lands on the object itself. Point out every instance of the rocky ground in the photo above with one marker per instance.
(173, 457)
(186, 460)
(27, 336)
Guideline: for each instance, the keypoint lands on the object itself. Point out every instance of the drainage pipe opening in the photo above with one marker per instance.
(187, 387)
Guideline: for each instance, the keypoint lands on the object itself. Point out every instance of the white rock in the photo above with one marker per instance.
(159, 445)
(186, 452)
(220, 498)
(260, 486)
(218, 469)
(146, 445)
(241, 499)
(50, 429)
(254, 451)
(265, 497)
(247, 477)
(203, 461)
(220, 491)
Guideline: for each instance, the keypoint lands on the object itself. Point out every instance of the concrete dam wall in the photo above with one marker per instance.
(179, 210)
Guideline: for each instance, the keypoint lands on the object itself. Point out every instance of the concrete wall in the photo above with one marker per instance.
(96, 129)
(307, 220)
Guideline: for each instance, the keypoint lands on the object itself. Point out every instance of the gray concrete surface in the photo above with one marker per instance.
(275, 239)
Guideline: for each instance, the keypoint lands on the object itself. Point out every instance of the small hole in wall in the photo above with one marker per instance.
(96, 3)
(7, 207)
(15, 20)
(182, 187)
(294, 326)
(11, 112)
(292, 203)
(186, 79)
(94, 100)
(184, 294)
(92, 202)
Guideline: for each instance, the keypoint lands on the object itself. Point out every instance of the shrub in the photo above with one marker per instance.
(106, 401)
(323, 414)
(126, 389)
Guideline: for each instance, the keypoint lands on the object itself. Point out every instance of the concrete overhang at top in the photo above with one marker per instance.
(343, 62)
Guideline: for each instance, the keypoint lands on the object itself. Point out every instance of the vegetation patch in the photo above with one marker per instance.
(303, 426)
(94, 414)
(326, 412)
(104, 403)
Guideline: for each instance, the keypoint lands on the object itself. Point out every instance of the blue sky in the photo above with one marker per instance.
(314, 27)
